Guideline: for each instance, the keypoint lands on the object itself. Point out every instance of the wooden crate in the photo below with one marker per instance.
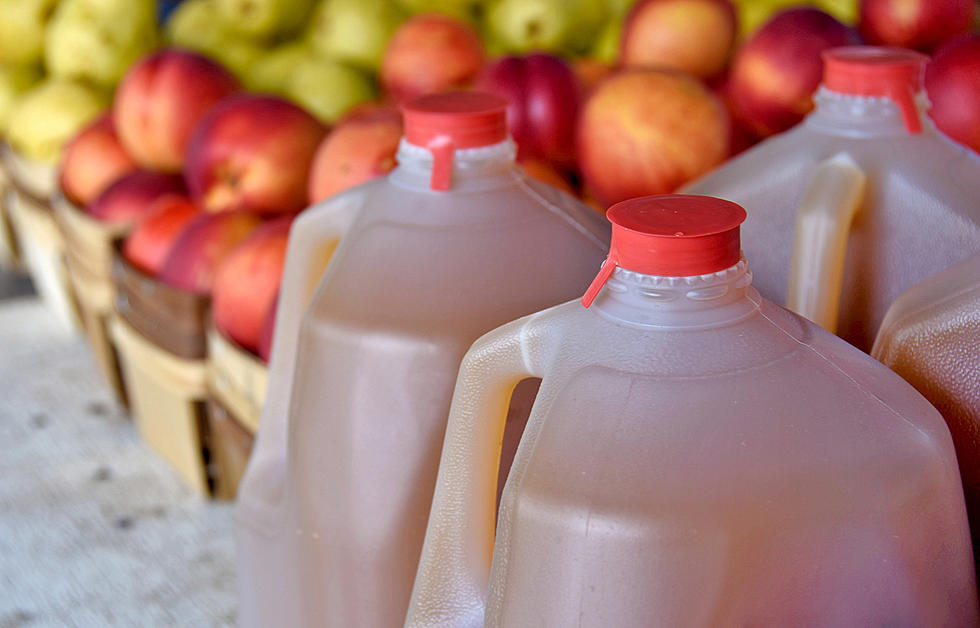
(89, 252)
(160, 337)
(41, 244)
(237, 384)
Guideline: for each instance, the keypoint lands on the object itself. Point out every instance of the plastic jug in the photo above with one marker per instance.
(859, 201)
(696, 456)
(931, 337)
(455, 241)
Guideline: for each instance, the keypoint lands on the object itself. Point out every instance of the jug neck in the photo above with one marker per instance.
(697, 302)
(863, 116)
(473, 169)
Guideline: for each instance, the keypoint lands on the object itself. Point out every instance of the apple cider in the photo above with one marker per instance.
(837, 204)
(696, 456)
(455, 241)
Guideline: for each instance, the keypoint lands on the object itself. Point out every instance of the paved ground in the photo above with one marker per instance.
(94, 529)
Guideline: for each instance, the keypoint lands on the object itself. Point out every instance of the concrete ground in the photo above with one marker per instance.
(95, 530)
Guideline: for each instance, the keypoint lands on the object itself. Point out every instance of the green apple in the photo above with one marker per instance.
(328, 89)
(97, 40)
(606, 48)
(469, 10)
(238, 54)
(265, 18)
(196, 25)
(271, 72)
(22, 24)
(48, 115)
(14, 81)
(355, 32)
(561, 26)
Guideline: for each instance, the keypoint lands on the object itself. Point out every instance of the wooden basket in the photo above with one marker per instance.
(160, 336)
(89, 246)
(9, 251)
(41, 244)
(237, 383)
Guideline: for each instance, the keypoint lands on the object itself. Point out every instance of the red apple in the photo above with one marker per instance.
(268, 332)
(252, 152)
(919, 24)
(545, 98)
(159, 102)
(91, 161)
(132, 196)
(149, 243)
(202, 245)
(247, 282)
(953, 84)
(691, 35)
(431, 53)
(359, 149)
(776, 72)
(648, 132)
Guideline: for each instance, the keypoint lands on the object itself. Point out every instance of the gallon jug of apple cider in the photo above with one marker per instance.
(696, 456)
(931, 337)
(860, 200)
(456, 241)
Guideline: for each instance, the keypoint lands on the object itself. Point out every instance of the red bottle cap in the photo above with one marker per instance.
(446, 122)
(893, 73)
(674, 235)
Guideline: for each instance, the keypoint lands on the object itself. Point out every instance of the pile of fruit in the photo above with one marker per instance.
(255, 109)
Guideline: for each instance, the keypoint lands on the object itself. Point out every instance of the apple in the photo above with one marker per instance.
(264, 18)
(775, 73)
(252, 152)
(545, 97)
(560, 26)
(95, 41)
(919, 24)
(431, 53)
(358, 149)
(91, 161)
(148, 244)
(202, 245)
(160, 101)
(467, 10)
(15, 81)
(647, 132)
(197, 25)
(606, 46)
(952, 82)
(272, 71)
(264, 350)
(246, 283)
(691, 35)
(129, 198)
(22, 24)
(546, 173)
(328, 89)
(49, 114)
(354, 31)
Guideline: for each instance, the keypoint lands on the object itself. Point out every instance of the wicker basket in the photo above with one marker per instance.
(9, 250)
(42, 247)
(160, 336)
(89, 246)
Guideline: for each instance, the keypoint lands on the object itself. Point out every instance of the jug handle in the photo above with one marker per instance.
(454, 570)
(313, 238)
(823, 222)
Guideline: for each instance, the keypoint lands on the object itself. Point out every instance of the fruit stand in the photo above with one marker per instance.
(156, 157)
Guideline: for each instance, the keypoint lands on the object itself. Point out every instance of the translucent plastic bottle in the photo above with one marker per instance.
(455, 241)
(859, 201)
(931, 337)
(696, 456)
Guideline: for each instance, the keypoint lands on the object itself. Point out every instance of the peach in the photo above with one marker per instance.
(953, 83)
(202, 245)
(132, 196)
(919, 24)
(91, 161)
(148, 244)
